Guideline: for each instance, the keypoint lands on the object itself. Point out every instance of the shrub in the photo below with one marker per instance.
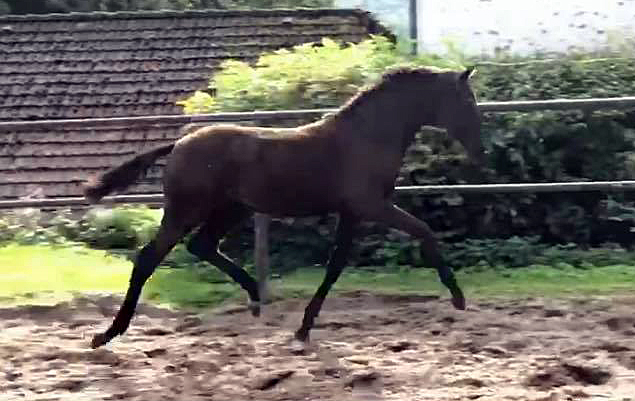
(123, 227)
(24, 227)
(306, 76)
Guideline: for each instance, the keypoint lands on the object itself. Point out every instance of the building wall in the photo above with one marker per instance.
(483, 27)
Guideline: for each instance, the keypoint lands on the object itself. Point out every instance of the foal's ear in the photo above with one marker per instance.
(467, 74)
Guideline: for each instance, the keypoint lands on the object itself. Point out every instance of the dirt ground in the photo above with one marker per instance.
(365, 347)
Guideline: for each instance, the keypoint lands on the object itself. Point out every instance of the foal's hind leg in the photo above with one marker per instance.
(398, 218)
(173, 228)
(204, 245)
(336, 263)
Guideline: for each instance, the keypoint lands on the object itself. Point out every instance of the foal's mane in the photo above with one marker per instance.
(388, 79)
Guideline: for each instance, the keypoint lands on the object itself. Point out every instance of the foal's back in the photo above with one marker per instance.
(274, 170)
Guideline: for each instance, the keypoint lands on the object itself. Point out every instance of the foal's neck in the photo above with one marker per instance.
(388, 116)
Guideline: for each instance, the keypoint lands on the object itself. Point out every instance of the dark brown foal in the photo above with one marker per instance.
(345, 163)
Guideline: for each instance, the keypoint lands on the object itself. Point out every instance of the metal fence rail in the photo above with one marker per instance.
(603, 186)
(518, 106)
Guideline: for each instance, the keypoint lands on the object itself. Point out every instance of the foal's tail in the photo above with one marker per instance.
(121, 177)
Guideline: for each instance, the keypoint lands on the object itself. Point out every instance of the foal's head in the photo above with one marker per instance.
(444, 99)
(459, 113)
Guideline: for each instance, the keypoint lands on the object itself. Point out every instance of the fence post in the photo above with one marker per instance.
(414, 31)
(261, 253)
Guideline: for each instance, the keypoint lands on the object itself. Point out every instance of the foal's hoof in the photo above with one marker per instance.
(99, 340)
(254, 307)
(301, 336)
(299, 344)
(298, 347)
(459, 302)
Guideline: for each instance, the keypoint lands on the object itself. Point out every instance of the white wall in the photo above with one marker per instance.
(524, 26)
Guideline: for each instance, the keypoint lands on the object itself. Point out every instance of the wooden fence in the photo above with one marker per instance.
(262, 221)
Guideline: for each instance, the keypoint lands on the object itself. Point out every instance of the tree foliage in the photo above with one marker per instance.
(306, 76)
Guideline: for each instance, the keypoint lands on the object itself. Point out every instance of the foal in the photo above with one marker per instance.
(345, 163)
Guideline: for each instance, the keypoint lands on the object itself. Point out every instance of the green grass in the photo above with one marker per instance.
(38, 273)
(530, 281)
(45, 274)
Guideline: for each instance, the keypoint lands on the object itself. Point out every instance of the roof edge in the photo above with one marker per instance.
(93, 15)
(366, 18)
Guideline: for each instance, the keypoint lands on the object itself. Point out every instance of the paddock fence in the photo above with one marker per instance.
(262, 221)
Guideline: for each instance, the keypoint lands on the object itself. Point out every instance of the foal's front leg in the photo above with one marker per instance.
(398, 218)
(343, 243)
